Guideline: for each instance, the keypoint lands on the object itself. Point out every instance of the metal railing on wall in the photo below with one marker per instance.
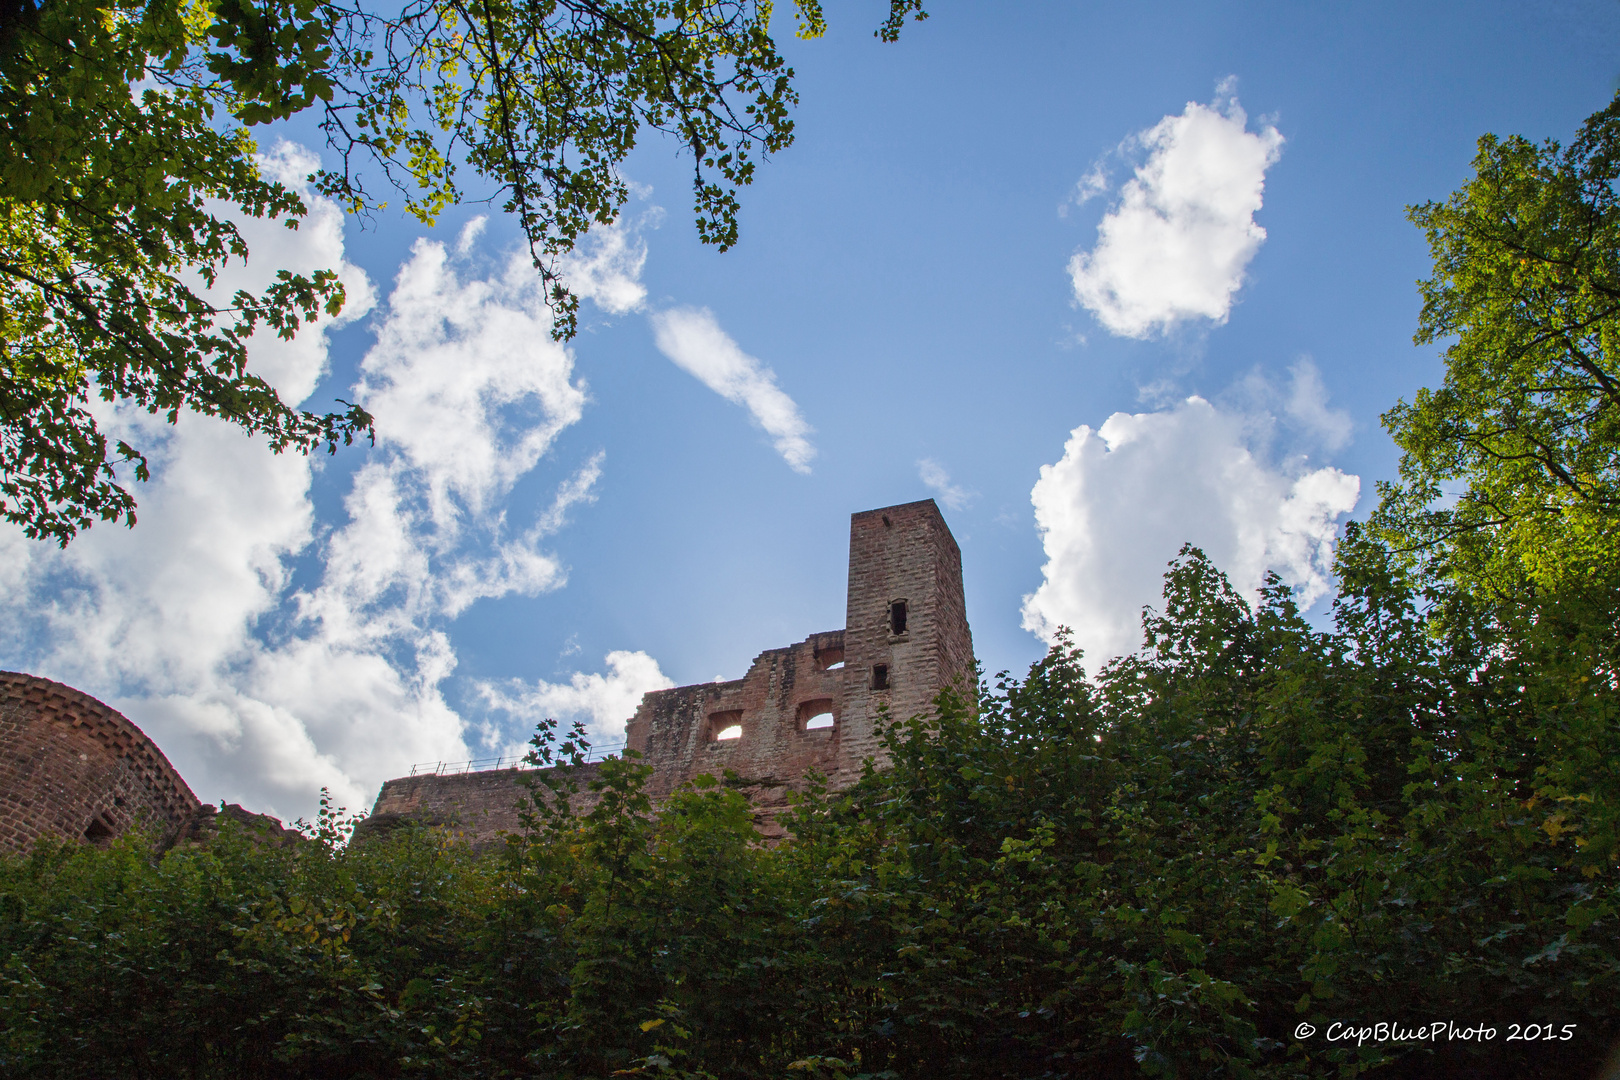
(455, 768)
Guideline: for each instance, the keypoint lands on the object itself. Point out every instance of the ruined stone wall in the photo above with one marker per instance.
(679, 731)
(906, 637)
(476, 805)
(73, 767)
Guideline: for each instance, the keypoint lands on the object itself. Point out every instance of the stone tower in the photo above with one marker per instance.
(906, 633)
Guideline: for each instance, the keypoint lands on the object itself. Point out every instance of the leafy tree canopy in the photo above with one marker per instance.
(1510, 475)
(123, 127)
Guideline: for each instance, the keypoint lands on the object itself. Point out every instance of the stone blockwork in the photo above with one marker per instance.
(479, 806)
(75, 768)
(906, 615)
(905, 638)
(754, 726)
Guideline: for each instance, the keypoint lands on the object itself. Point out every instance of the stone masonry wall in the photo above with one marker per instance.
(676, 731)
(73, 767)
(479, 806)
(906, 637)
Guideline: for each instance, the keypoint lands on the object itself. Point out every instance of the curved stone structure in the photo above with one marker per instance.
(73, 767)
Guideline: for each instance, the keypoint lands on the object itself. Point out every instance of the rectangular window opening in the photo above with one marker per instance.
(880, 676)
(897, 617)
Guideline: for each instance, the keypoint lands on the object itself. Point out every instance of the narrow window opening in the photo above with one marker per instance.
(897, 617)
(880, 676)
(732, 732)
(98, 830)
(819, 721)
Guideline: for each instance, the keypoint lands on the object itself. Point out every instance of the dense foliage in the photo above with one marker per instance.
(1160, 870)
(114, 159)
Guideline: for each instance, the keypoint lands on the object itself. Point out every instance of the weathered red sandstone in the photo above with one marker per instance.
(905, 638)
(75, 768)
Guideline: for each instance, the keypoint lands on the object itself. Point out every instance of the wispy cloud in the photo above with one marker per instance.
(937, 480)
(1294, 413)
(693, 339)
(1124, 497)
(517, 565)
(1094, 183)
(606, 268)
(1307, 405)
(1175, 245)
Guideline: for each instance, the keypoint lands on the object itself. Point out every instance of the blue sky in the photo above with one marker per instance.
(1018, 221)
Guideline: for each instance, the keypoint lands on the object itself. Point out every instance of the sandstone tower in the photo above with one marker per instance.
(810, 706)
(906, 633)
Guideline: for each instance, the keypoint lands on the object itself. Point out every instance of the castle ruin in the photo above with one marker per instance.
(74, 768)
(813, 706)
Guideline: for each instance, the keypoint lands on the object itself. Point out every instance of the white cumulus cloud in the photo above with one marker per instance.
(1115, 509)
(470, 392)
(192, 624)
(603, 703)
(466, 383)
(695, 342)
(1175, 244)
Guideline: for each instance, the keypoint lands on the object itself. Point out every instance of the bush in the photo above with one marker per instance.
(1161, 870)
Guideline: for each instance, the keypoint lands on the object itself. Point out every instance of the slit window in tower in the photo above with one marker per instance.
(880, 676)
(897, 617)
